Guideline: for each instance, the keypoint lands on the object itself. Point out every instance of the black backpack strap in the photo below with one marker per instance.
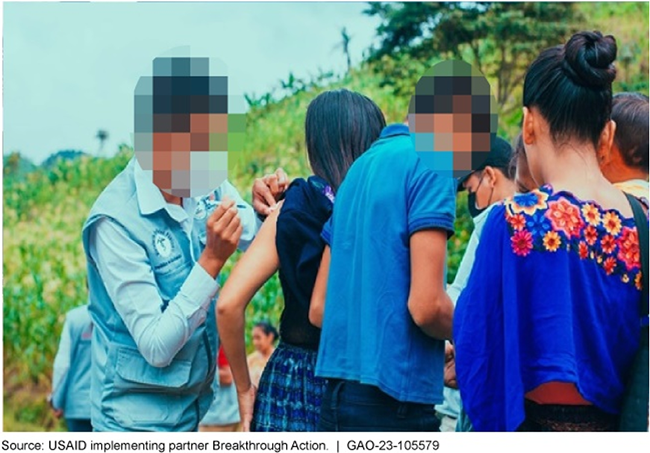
(634, 408)
(642, 230)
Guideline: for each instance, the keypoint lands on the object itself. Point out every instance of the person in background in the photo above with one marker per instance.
(223, 415)
(339, 126)
(625, 164)
(489, 184)
(524, 182)
(548, 325)
(70, 396)
(264, 338)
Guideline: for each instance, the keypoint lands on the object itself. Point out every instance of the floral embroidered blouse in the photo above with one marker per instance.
(553, 296)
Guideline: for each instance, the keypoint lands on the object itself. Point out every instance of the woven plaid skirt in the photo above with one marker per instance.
(289, 395)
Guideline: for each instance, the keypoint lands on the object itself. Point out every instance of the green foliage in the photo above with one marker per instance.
(500, 39)
(628, 23)
(16, 166)
(44, 264)
(67, 154)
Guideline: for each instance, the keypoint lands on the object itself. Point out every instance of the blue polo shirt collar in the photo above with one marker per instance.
(394, 129)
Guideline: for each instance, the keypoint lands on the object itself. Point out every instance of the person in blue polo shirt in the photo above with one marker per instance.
(155, 242)
(380, 290)
(386, 313)
(70, 396)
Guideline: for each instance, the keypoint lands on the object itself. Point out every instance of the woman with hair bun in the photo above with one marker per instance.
(547, 328)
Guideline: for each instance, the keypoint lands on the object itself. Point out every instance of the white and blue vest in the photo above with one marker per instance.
(127, 393)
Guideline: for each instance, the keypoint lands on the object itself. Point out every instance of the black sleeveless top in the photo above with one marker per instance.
(307, 206)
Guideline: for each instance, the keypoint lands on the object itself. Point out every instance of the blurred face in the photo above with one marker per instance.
(452, 118)
(174, 152)
(524, 182)
(183, 130)
(261, 341)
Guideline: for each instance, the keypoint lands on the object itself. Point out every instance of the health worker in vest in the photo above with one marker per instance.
(155, 241)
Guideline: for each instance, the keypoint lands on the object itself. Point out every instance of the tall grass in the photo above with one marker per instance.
(44, 265)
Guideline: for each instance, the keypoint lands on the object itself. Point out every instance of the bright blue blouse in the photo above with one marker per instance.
(553, 296)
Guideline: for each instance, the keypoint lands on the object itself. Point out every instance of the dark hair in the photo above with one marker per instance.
(340, 125)
(268, 329)
(630, 112)
(571, 85)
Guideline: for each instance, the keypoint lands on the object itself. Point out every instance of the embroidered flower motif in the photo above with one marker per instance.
(538, 224)
(555, 222)
(565, 217)
(528, 203)
(638, 281)
(591, 235)
(608, 243)
(628, 248)
(522, 242)
(609, 265)
(517, 221)
(591, 214)
(552, 241)
(612, 223)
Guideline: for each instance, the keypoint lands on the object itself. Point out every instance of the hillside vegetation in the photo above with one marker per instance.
(44, 264)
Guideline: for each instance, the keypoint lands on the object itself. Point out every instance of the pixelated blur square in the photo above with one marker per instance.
(183, 126)
(453, 118)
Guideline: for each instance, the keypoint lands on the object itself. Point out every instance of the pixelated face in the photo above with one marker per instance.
(452, 118)
(183, 131)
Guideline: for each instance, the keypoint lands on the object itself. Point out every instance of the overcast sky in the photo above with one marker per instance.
(71, 68)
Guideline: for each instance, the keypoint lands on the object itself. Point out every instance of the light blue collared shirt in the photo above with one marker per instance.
(126, 273)
(452, 403)
(71, 373)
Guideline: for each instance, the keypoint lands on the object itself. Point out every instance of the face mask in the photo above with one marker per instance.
(474, 210)
(471, 205)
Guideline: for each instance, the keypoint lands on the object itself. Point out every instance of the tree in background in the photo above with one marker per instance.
(102, 136)
(500, 39)
(11, 163)
(344, 45)
(15, 164)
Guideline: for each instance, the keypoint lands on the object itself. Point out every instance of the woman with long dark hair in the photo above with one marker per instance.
(547, 328)
(340, 125)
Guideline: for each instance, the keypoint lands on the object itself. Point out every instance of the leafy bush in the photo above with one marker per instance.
(44, 265)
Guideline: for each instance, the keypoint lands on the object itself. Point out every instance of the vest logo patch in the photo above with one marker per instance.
(201, 210)
(162, 243)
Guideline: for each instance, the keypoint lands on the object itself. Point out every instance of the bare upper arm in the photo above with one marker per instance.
(428, 257)
(317, 304)
(254, 268)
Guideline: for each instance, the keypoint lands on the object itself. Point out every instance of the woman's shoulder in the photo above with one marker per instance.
(550, 222)
(308, 195)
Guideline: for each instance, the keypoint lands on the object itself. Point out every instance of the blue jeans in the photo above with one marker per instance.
(351, 406)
